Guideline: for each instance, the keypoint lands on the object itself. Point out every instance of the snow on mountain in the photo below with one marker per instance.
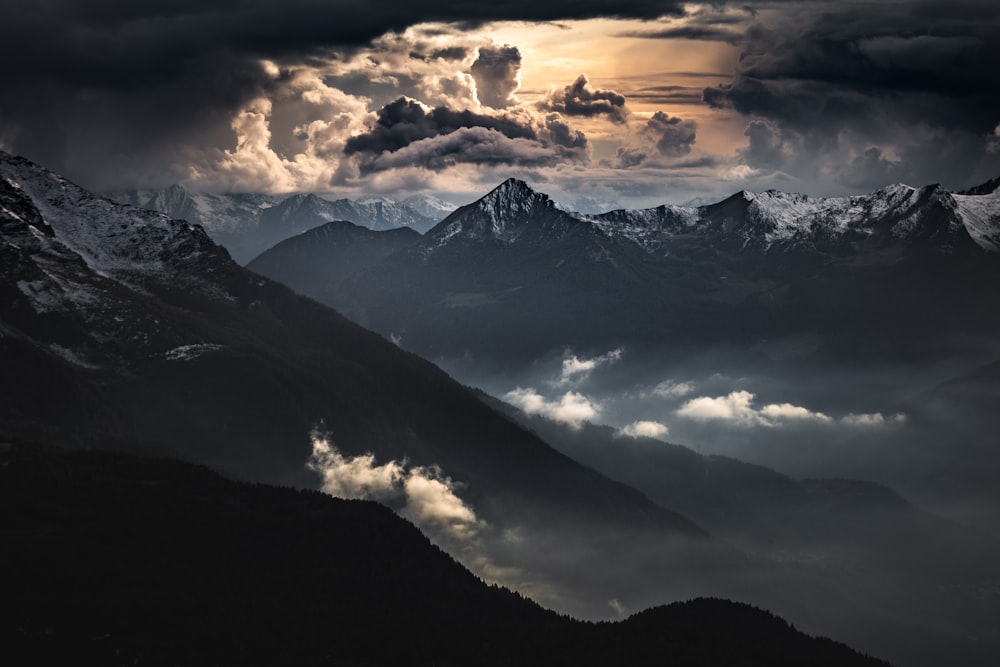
(79, 269)
(589, 206)
(981, 216)
(430, 207)
(218, 213)
(246, 224)
(773, 218)
(113, 240)
(381, 213)
(501, 215)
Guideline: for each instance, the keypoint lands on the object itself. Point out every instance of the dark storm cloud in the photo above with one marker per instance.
(662, 136)
(581, 99)
(916, 76)
(408, 134)
(404, 121)
(562, 134)
(674, 136)
(669, 95)
(495, 73)
(105, 87)
(765, 149)
(450, 53)
(467, 145)
(695, 32)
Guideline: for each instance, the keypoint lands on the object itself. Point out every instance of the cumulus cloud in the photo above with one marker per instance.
(832, 86)
(497, 75)
(574, 368)
(422, 494)
(672, 389)
(562, 134)
(408, 133)
(572, 408)
(673, 136)
(581, 99)
(662, 136)
(737, 408)
(777, 412)
(405, 120)
(766, 147)
(646, 429)
(469, 145)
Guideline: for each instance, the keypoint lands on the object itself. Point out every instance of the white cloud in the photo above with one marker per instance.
(873, 419)
(734, 408)
(671, 389)
(356, 477)
(426, 495)
(737, 408)
(573, 408)
(780, 411)
(645, 429)
(431, 502)
(575, 368)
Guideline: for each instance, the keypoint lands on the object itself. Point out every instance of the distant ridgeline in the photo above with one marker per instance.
(513, 277)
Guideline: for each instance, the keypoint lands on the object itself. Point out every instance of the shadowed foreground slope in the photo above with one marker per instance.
(112, 559)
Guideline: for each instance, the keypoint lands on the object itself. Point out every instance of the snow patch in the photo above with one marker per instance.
(981, 216)
(190, 352)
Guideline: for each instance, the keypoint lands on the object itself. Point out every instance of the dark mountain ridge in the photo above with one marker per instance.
(121, 324)
(121, 560)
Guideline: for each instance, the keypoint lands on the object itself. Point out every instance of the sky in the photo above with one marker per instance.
(597, 103)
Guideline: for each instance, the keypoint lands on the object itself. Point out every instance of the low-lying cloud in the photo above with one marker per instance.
(646, 429)
(574, 368)
(737, 408)
(672, 389)
(422, 494)
(873, 419)
(572, 408)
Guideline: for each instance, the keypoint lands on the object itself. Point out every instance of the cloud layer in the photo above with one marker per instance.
(737, 408)
(409, 97)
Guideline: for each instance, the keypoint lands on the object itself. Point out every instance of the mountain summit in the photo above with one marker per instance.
(501, 215)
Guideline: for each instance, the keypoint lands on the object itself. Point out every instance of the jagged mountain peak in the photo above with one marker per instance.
(513, 194)
(500, 214)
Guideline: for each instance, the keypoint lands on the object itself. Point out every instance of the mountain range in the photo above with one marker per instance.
(246, 224)
(121, 324)
(125, 328)
(513, 277)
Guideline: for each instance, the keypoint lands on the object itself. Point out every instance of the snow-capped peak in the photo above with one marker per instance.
(511, 199)
(112, 239)
(499, 215)
(429, 206)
